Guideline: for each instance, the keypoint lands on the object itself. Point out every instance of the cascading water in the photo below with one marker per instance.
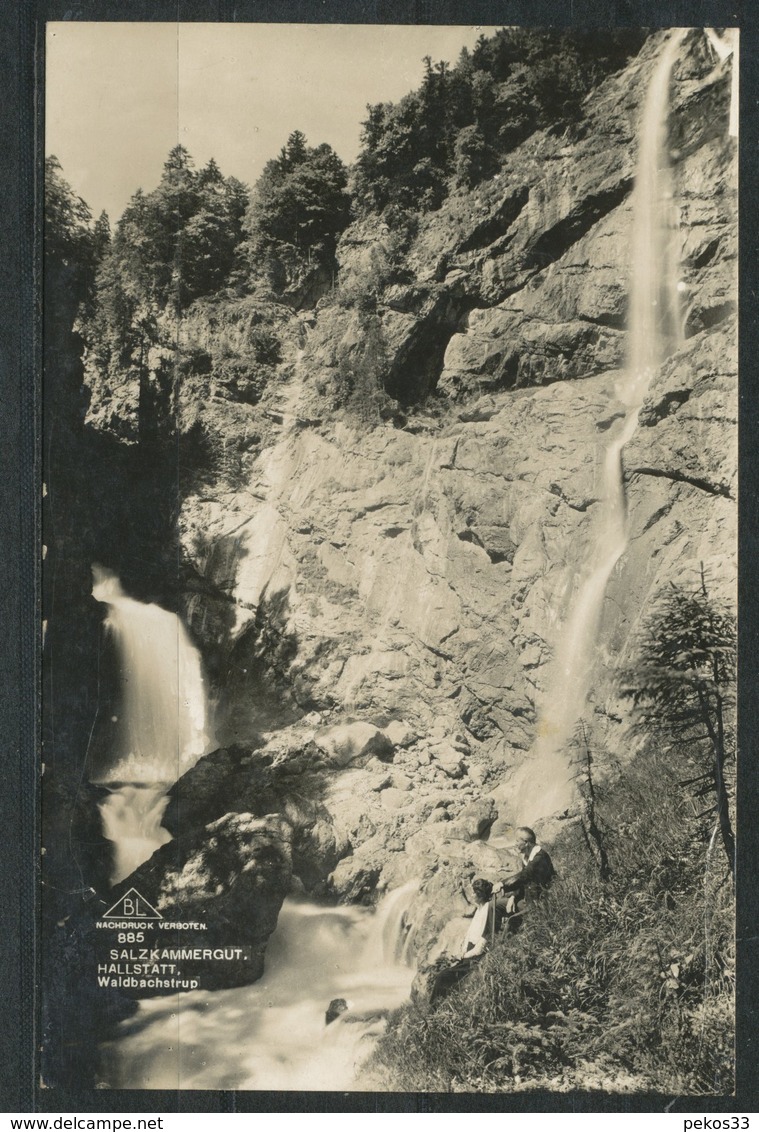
(131, 814)
(654, 332)
(274, 1034)
(654, 324)
(161, 729)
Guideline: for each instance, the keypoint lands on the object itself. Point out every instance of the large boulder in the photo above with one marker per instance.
(231, 876)
(229, 779)
(354, 743)
(354, 880)
(474, 821)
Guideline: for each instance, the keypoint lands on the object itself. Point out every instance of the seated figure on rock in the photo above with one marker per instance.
(497, 907)
(529, 882)
(485, 922)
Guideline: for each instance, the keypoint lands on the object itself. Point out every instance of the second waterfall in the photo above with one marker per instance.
(654, 332)
(159, 730)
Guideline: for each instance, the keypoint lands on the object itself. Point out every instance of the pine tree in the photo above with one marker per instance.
(210, 174)
(69, 242)
(300, 204)
(178, 166)
(681, 685)
(101, 235)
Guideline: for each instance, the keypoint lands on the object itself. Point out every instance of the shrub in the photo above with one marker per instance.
(362, 367)
(206, 459)
(473, 157)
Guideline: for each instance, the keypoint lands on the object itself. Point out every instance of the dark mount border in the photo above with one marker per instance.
(21, 44)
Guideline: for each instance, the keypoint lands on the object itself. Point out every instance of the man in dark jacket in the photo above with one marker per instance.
(533, 878)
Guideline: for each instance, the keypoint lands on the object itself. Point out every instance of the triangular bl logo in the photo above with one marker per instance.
(132, 906)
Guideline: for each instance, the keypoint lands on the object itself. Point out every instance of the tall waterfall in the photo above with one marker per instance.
(654, 328)
(160, 730)
(654, 332)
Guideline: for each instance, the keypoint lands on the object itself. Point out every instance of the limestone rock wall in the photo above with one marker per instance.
(421, 570)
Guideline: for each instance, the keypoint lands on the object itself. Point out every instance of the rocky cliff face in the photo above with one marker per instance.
(402, 583)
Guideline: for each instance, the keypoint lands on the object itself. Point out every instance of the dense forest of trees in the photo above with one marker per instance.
(299, 207)
(200, 235)
(170, 247)
(198, 231)
(459, 124)
(74, 246)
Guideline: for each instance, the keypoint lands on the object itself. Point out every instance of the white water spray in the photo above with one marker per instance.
(654, 323)
(654, 332)
(274, 1034)
(161, 729)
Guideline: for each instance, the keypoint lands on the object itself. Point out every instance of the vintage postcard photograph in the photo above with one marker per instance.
(389, 587)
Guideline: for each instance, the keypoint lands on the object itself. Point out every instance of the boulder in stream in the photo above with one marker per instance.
(231, 877)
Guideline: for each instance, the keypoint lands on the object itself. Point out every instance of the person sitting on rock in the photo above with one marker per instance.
(530, 882)
(475, 943)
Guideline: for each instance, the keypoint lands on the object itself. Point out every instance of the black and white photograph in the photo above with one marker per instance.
(389, 584)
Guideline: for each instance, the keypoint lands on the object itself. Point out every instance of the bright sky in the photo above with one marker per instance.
(119, 96)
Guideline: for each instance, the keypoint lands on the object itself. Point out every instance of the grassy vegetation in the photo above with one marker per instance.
(624, 983)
